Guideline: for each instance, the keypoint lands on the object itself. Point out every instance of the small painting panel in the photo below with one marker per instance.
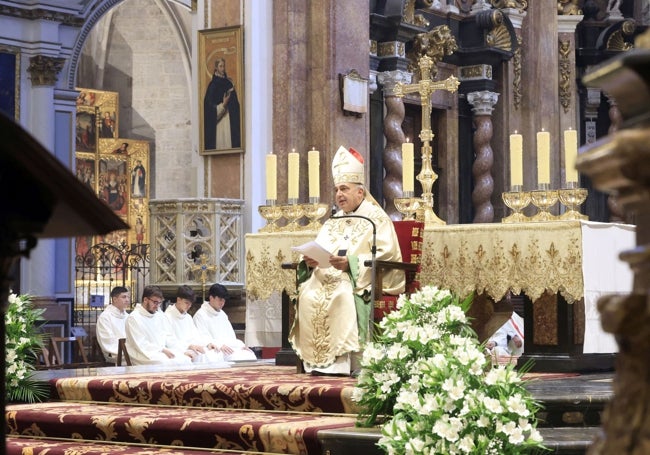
(9, 80)
(86, 133)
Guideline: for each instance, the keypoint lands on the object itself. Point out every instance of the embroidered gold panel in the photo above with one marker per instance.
(497, 258)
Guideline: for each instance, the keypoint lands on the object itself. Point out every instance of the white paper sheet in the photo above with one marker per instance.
(314, 251)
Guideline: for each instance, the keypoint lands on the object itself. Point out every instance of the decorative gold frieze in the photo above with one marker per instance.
(521, 5)
(391, 49)
(468, 73)
(44, 70)
(565, 74)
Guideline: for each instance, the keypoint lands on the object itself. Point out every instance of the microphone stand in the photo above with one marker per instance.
(373, 255)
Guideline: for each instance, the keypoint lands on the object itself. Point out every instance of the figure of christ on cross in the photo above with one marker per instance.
(204, 268)
(426, 87)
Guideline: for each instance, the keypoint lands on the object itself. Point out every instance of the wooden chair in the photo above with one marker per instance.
(409, 235)
(122, 352)
(78, 352)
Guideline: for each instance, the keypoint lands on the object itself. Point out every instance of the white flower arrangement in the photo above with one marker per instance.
(21, 343)
(428, 376)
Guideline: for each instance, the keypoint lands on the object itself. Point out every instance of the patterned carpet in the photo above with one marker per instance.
(242, 430)
(249, 387)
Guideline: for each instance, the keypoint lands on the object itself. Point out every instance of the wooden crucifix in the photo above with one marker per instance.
(426, 87)
(204, 268)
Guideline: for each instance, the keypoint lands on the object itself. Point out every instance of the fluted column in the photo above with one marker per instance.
(38, 273)
(392, 156)
(483, 105)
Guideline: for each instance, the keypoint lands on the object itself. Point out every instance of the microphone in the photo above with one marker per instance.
(373, 251)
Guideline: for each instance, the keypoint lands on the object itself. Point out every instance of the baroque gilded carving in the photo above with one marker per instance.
(436, 44)
(521, 5)
(568, 8)
(617, 41)
(565, 74)
(44, 70)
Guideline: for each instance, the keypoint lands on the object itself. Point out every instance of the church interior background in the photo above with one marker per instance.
(115, 89)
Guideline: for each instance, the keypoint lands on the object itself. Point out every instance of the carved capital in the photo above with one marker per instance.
(44, 70)
(390, 79)
(482, 102)
(521, 5)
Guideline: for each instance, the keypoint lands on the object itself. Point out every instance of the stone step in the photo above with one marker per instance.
(353, 441)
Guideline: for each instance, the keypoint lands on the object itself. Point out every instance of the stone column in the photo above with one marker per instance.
(483, 105)
(39, 272)
(392, 155)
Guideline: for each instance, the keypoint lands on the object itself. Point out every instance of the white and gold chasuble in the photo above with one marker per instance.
(326, 325)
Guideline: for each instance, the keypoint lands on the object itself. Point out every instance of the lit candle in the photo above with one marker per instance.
(570, 155)
(313, 167)
(516, 160)
(271, 177)
(408, 166)
(543, 157)
(294, 176)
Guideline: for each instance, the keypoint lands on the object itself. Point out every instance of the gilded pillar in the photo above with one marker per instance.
(483, 104)
(392, 154)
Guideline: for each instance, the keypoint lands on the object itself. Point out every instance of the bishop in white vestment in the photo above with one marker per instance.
(333, 307)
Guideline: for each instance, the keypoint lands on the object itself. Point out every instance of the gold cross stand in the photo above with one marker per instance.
(204, 268)
(426, 87)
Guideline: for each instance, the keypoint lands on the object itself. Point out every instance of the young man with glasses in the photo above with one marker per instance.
(149, 336)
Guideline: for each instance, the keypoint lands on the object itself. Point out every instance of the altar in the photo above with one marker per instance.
(561, 268)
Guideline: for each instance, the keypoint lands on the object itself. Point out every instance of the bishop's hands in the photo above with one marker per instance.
(338, 262)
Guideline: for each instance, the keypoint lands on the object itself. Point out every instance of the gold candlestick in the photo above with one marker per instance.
(543, 199)
(292, 212)
(408, 205)
(517, 200)
(314, 211)
(572, 198)
(271, 213)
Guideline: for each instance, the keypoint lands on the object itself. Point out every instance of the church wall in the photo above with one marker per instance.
(144, 62)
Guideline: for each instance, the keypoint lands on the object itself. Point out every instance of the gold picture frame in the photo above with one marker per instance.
(221, 90)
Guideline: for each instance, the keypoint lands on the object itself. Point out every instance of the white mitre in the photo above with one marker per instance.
(347, 166)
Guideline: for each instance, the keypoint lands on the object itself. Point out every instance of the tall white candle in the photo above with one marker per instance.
(543, 157)
(271, 177)
(516, 160)
(571, 155)
(408, 166)
(293, 175)
(313, 167)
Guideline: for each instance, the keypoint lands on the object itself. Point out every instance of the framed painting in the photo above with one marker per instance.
(221, 87)
(86, 129)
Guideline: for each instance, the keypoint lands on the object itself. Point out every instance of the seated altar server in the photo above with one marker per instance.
(149, 336)
(508, 340)
(185, 330)
(213, 323)
(111, 323)
(334, 309)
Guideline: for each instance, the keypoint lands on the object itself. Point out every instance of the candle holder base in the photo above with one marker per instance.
(292, 212)
(517, 201)
(314, 212)
(271, 213)
(408, 207)
(572, 198)
(544, 200)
